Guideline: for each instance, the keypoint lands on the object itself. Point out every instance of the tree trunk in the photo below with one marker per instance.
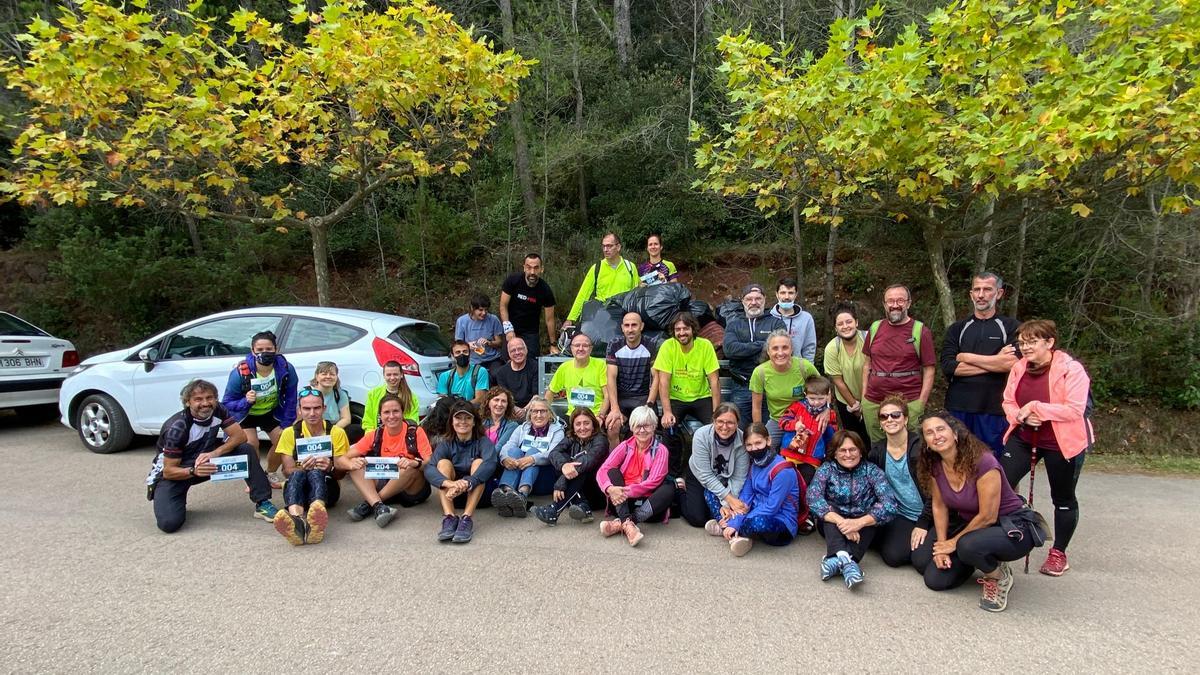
(798, 237)
(934, 246)
(1022, 228)
(1155, 241)
(578, 84)
(985, 242)
(621, 30)
(692, 64)
(516, 116)
(830, 253)
(194, 235)
(320, 244)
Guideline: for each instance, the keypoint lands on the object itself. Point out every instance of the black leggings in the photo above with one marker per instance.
(980, 550)
(1063, 475)
(894, 541)
(692, 504)
(851, 422)
(836, 541)
(660, 500)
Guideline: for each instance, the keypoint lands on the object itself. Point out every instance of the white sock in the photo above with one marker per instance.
(845, 557)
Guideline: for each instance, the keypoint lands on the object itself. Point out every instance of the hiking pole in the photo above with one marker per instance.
(1032, 472)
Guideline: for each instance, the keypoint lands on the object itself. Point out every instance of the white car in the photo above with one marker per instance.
(113, 396)
(33, 363)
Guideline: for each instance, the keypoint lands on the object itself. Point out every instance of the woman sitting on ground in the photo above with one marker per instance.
(523, 457)
(499, 418)
(459, 469)
(716, 470)
(576, 459)
(771, 495)
(632, 478)
(392, 438)
(978, 521)
(897, 456)
(848, 498)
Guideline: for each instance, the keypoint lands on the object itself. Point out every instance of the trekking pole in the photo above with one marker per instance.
(1032, 472)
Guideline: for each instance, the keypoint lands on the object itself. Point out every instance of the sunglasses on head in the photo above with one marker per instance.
(890, 415)
(309, 391)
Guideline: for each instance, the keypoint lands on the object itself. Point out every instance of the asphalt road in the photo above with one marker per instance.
(89, 584)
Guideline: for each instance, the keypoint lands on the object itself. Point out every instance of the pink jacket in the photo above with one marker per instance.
(1069, 386)
(619, 459)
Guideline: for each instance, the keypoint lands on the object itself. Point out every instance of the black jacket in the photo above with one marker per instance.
(743, 345)
(589, 455)
(879, 455)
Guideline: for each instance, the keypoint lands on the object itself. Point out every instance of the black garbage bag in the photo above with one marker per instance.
(702, 311)
(728, 310)
(656, 304)
(596, 321)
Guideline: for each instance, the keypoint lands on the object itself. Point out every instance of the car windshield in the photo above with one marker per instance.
(423, 338)
(11, 325)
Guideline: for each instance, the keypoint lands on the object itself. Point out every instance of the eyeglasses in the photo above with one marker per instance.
(643, 426)
(609, 245)
(1026, 344)
(890, 416)
(309, 391)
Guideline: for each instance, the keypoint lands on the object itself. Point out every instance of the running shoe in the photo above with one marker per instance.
(465, 530)
(449, 526)
(994, 597)
(852, 573)
(830, 567)
(740, 546)
(360, 512)
(547, 514)
(1056, 563)
(317, 519)
(580, 511)
(713, 527)
(384, 514)
(265, 510)
(610, 527)
(291, 527)
(504, 507)
(633, 534)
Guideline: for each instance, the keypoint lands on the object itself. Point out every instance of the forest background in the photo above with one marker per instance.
(604, 136)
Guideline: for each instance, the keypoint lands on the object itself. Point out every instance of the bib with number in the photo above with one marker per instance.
(267, 393)
(535, 446)
(315, 446)
(582, 397)
(382, 468)
(230, 467)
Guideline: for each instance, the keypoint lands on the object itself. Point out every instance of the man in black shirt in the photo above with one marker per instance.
(525, 298)
(976, 356)
(519, 375)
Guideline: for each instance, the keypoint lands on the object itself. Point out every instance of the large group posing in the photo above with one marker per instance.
(851, 454)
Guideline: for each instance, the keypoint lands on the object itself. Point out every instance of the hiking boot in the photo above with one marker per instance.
(547, 514)
(291, 527)
(265, 510)
(517, 501)
(830, 567)
(1056, 563)
(995, 591)
(360, 512)
(580, 512)
(449, 525)
(852, 573)
(713, 527)
(465, 530)
(632, 534)
(384, 514)
(740, 546)
(610, 527)
(317, 519)
(504, 507)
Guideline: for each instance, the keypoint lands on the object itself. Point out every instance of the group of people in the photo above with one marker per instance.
(851, 453)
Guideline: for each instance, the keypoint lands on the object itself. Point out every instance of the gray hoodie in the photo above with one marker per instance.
(803, 331)
(704, 448)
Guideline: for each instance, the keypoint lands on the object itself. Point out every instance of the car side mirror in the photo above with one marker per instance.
(148, 356)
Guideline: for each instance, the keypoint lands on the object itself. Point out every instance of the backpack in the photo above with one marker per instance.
(916, 334)
(802, 507)
(410, 441)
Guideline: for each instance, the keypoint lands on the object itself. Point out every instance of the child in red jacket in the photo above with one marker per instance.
(804, 441)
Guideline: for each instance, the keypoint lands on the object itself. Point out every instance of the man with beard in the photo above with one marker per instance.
(523, 296)
(189, 440)
(977, 354)
(745, 338)
(631, 375)
(689, 387)
(899, 360)
(519, 375)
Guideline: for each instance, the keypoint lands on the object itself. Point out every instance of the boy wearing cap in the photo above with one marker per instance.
(459, 469)
(745, 338)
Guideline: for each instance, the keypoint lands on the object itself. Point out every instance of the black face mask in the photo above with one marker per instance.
(462, 360)
(758, 456)
(266, 358)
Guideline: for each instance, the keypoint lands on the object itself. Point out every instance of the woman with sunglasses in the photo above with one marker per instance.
(896, 455)
(633, 479)
(575, 460)
(1046, 403)
(523, 456)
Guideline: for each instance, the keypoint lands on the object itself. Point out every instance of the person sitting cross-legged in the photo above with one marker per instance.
(634, 479)
(459, 470)
(398, 437)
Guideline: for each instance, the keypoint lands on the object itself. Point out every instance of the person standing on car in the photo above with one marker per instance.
(188, 441)
(262, 391)
(525, 297)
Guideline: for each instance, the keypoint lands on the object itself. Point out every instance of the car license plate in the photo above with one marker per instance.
(22, 362)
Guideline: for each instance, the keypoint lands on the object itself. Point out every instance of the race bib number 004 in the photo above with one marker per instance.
(536, 446)
(582, 397)
(382, 468)
(263, 385)
(230, 467)
(317, 446)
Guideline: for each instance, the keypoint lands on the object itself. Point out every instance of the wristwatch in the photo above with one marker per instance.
(192, 471)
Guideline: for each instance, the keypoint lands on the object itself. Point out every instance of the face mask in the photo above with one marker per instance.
(786, 305)
(462, 360)
(759, 457)
(266, 359)
(816, 410)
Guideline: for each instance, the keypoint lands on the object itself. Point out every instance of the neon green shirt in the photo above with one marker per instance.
(371, 410)
(582, 386)
(781, 389)
(688, 370)
(609, 283)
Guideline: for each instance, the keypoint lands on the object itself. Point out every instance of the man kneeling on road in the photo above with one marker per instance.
(308, 463)
(188, 444)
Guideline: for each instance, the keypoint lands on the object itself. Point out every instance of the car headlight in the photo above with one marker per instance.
(78, 370)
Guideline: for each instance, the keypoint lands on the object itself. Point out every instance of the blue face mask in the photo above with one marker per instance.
(786, 305)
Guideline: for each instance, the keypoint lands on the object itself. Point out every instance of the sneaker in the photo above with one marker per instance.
(740, 546)
(517, 501)
(547, 514)
(276, 479)
(449, 525)
(830, 567)
(852, 573)
(360, 512)
(465, 531)
(610, 527)
(1056, 563)
(265, 510)
(318, 519)
(504, 507)
(384, 514)
(806, 527)
(713, 527)
(995, 591)
(632, 534)
(581, 512)
(291, 527)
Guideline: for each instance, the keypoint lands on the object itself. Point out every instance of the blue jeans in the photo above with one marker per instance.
(515, 478)
(988, 428)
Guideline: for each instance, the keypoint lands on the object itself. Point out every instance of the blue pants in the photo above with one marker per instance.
(987, 428)
(767, 529)
(739, 395)
(305, 487)
(515, 478)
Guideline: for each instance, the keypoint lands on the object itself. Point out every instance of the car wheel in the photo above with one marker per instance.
(102, 424)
